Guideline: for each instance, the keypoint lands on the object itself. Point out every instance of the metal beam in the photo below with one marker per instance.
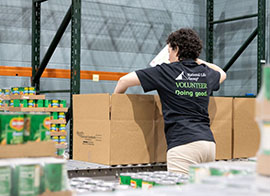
(234, 19)
(54, 91)
(75, 61)
(209, 30)
(53, 45)
(261, 41)
(35, 40)
(240, 50)
(39, 1)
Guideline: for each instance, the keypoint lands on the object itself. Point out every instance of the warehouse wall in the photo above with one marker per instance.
(228, 37)
(117, 35)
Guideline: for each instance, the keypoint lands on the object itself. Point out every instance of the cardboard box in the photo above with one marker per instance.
(29, 149)
(263, 165)
(160, 139)
(246, 133)
(220, 114)
(112, 130)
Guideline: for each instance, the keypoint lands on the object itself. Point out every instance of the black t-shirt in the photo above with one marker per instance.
(184, 88)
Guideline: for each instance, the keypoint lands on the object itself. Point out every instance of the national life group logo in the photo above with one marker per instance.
(182, 76)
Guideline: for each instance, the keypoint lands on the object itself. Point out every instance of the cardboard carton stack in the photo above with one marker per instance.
(129, 129)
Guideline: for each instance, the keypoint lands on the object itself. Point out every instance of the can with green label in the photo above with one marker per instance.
(46, 103)
(54, 128)
(218, 171)
(63, 103)
(148, 182)
(6, 103)
(24, 103)
(125, 178)
(5, 178)
(26, 177)
(16, 102)
(60, 152)
(6, 91)
(136, 181)
(1, 103)
(25, 90)
(1, 92)
(55, 103)
(40, 103)
(54, 115)
(37, 127)
(62, 139)
(61, 116)
(31, 103)
(62, 128)
(55, 175)
(31, 90)
(11, 103)
(15, 90)
(55, 139)
(11, 128)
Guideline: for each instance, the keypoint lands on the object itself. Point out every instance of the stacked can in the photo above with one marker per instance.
(31, 90)
(6, 91)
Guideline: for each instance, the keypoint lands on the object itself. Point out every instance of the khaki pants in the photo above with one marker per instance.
(181, 157)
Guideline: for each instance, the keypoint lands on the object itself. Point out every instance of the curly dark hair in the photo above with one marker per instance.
(188, 42)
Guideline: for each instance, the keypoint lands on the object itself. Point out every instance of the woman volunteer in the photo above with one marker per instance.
(184, 86)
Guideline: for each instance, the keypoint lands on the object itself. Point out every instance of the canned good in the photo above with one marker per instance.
(11, 128)
(24, 103)
(148, 183)
(37, 127)
(25, 90)
(62, 127)
(1, 92)
(63, 103)
(5, 178)
(61, 116)
(60, 152)
(54, 128)
(1, 103)
(16, 103)
(31, 90)
(217, 171)
(11, 103)
(31, 103)
(55, 104)
(46, 103)
(136, 181)
(198, 172)
(15, 91)
(55, 139)
(6, 91)
(63, 139)
(55, 174)
(40, 103)
(54, 115)
(125, 178)
(27, 174)
(6, 103)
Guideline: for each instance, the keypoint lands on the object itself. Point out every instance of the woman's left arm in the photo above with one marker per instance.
(126, 81)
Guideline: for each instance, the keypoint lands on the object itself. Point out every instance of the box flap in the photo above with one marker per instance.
(130, 107)
(91, 106)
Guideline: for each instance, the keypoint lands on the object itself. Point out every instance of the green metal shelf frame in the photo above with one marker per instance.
(74, 15)
(259, 32)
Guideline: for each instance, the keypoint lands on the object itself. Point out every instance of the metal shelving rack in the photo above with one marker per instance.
(74, 15)
(259, 31)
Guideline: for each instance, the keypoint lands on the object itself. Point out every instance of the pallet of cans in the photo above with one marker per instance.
(18, 128)
(33, 176)
(147, 180)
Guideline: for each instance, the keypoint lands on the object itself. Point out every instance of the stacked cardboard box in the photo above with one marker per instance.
(129, 129)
